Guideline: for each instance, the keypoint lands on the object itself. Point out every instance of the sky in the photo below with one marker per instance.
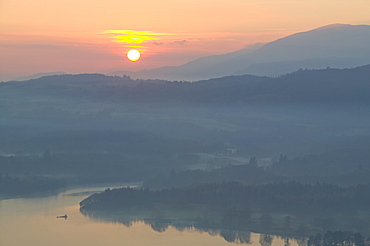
(93, 36)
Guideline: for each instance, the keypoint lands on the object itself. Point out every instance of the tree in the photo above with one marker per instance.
(311, 241)
(283, 159)
(266, 220)
(172, 174)
(46, 155)
(253, 162)
(358, 239)
(317, 241)
(339, 237)
(328, 239)
(236, 218)
(287, 222)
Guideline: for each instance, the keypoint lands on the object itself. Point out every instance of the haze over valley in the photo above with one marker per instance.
(209, 123)
(95, 127)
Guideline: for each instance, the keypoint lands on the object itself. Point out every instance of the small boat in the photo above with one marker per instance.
(62, 217)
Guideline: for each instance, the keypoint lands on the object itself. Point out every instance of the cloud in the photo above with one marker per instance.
(133, 37)
(182, 42)
(157, 43)
(135, 33)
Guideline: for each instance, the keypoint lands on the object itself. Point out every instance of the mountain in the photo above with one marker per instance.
(37, 75)
(192, 70)
(337, 46)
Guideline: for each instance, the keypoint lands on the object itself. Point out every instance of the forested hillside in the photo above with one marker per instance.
(303, 86)
(98, 128)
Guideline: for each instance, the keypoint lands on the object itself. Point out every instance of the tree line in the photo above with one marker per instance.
(292, 197)
(25, 185)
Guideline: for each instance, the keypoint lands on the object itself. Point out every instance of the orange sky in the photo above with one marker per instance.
(39, 36)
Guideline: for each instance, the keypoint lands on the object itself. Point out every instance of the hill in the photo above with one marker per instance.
(308, 110)
(303, 86)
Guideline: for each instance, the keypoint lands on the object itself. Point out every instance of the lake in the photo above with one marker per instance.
(33, 222)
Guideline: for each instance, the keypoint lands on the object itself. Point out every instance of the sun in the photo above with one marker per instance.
(133, 55)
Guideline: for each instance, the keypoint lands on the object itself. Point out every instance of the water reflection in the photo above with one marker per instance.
(234, 236)
(286, 242)
(161, 225)
(265, 240)
(33, 222)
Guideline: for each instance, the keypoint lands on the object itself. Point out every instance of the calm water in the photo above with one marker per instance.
(33, 222)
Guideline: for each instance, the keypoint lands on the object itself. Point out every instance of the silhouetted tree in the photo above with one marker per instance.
(317, 240)
(47, 155)
(283, 159)
(328, 239)
(287, 221)
(266, 220)
(236, 218)
(253, 162)
(358, 239)
(311, 241)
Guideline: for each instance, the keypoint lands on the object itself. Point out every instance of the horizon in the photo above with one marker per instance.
(61, 73)
(75, 38)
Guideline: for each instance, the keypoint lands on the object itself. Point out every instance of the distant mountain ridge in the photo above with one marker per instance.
(303, 86)
(38, 75)
(337, 46)
(196, 68)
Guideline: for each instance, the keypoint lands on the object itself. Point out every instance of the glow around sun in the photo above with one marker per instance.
(133, 55)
